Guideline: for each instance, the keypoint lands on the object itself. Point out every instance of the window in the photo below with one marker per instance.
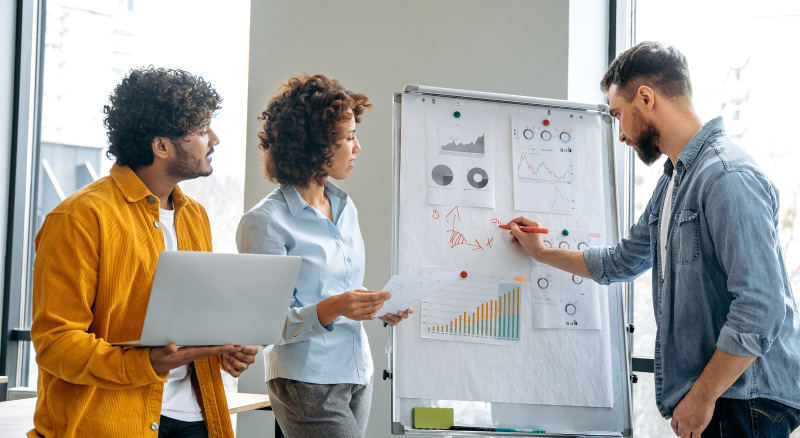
(740, 69)
(87, 47)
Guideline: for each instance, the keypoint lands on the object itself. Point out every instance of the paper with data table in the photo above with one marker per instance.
(408, 289)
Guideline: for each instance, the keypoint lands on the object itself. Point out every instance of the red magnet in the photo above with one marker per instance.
(463, 274)
(546, 122)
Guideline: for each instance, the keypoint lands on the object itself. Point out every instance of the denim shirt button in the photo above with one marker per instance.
(659, 378)
(658, 344)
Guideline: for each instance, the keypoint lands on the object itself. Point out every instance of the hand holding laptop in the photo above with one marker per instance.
(235, 358)
(235, 363)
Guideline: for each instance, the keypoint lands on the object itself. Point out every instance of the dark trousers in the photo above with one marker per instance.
(756, 418)
(172, 428)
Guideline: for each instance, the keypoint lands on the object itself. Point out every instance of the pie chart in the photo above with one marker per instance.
(442, 175)
(477, 178)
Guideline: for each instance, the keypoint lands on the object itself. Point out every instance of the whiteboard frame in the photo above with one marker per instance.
(621, 338)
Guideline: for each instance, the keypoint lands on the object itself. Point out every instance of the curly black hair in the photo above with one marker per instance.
(301, 126)
(649, 63)
(155, 102)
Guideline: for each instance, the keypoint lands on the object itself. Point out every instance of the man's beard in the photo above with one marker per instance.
(647, 144)
(186, 166)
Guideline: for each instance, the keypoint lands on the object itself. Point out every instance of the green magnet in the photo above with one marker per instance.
(565, 232)
(457, 114)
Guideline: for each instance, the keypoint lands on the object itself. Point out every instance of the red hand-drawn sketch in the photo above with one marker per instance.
(453, 217)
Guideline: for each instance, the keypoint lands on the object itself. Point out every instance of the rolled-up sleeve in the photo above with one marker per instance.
(741, 210)
(623, 261)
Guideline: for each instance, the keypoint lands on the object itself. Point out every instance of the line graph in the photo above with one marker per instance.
(474, 147)
(457, 140)
(531, 167)
(545, 181)
(545, 174)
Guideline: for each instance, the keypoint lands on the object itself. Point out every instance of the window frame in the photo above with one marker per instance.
(29, 52)
(622, 33)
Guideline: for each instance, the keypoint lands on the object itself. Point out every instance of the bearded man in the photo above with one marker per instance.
(727, 349)
(96, 256)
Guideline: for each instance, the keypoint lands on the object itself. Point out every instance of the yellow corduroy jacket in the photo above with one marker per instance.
(96, 255)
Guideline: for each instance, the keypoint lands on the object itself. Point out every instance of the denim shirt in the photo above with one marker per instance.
(725, 284)
(333, 262)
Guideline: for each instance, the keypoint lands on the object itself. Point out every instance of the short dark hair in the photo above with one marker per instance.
(649, 63)
(155, 102)
(301, 125)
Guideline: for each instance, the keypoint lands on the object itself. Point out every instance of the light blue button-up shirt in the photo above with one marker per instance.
(724, 283)
(333, 263)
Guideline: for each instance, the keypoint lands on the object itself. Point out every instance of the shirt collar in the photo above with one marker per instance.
(712, 129)
(296, 203)
(134, 190)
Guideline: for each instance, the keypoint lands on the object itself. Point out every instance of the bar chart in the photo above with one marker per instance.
(474, 310)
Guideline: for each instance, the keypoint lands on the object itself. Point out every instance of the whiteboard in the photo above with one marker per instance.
(543, 349)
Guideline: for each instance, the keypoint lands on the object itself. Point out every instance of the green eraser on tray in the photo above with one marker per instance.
(433, 418)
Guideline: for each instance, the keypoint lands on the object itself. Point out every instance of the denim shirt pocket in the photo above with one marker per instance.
(686, 237)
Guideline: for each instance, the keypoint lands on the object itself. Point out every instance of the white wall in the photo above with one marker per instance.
(377, 47)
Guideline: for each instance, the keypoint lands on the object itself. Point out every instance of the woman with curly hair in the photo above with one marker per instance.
(320, 375)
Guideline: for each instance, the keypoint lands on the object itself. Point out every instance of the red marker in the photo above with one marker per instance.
(528, 229)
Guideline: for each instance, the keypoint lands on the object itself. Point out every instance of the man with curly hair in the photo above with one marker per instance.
(96, 255)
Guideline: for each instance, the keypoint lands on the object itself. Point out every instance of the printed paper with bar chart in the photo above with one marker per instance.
(477, 309)
(545, 167)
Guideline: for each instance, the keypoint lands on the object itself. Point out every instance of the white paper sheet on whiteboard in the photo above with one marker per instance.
(561, 300)
(460, 159)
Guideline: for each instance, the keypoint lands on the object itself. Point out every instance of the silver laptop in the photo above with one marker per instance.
(203, 298)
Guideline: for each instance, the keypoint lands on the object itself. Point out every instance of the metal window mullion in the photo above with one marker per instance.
(24, 138)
